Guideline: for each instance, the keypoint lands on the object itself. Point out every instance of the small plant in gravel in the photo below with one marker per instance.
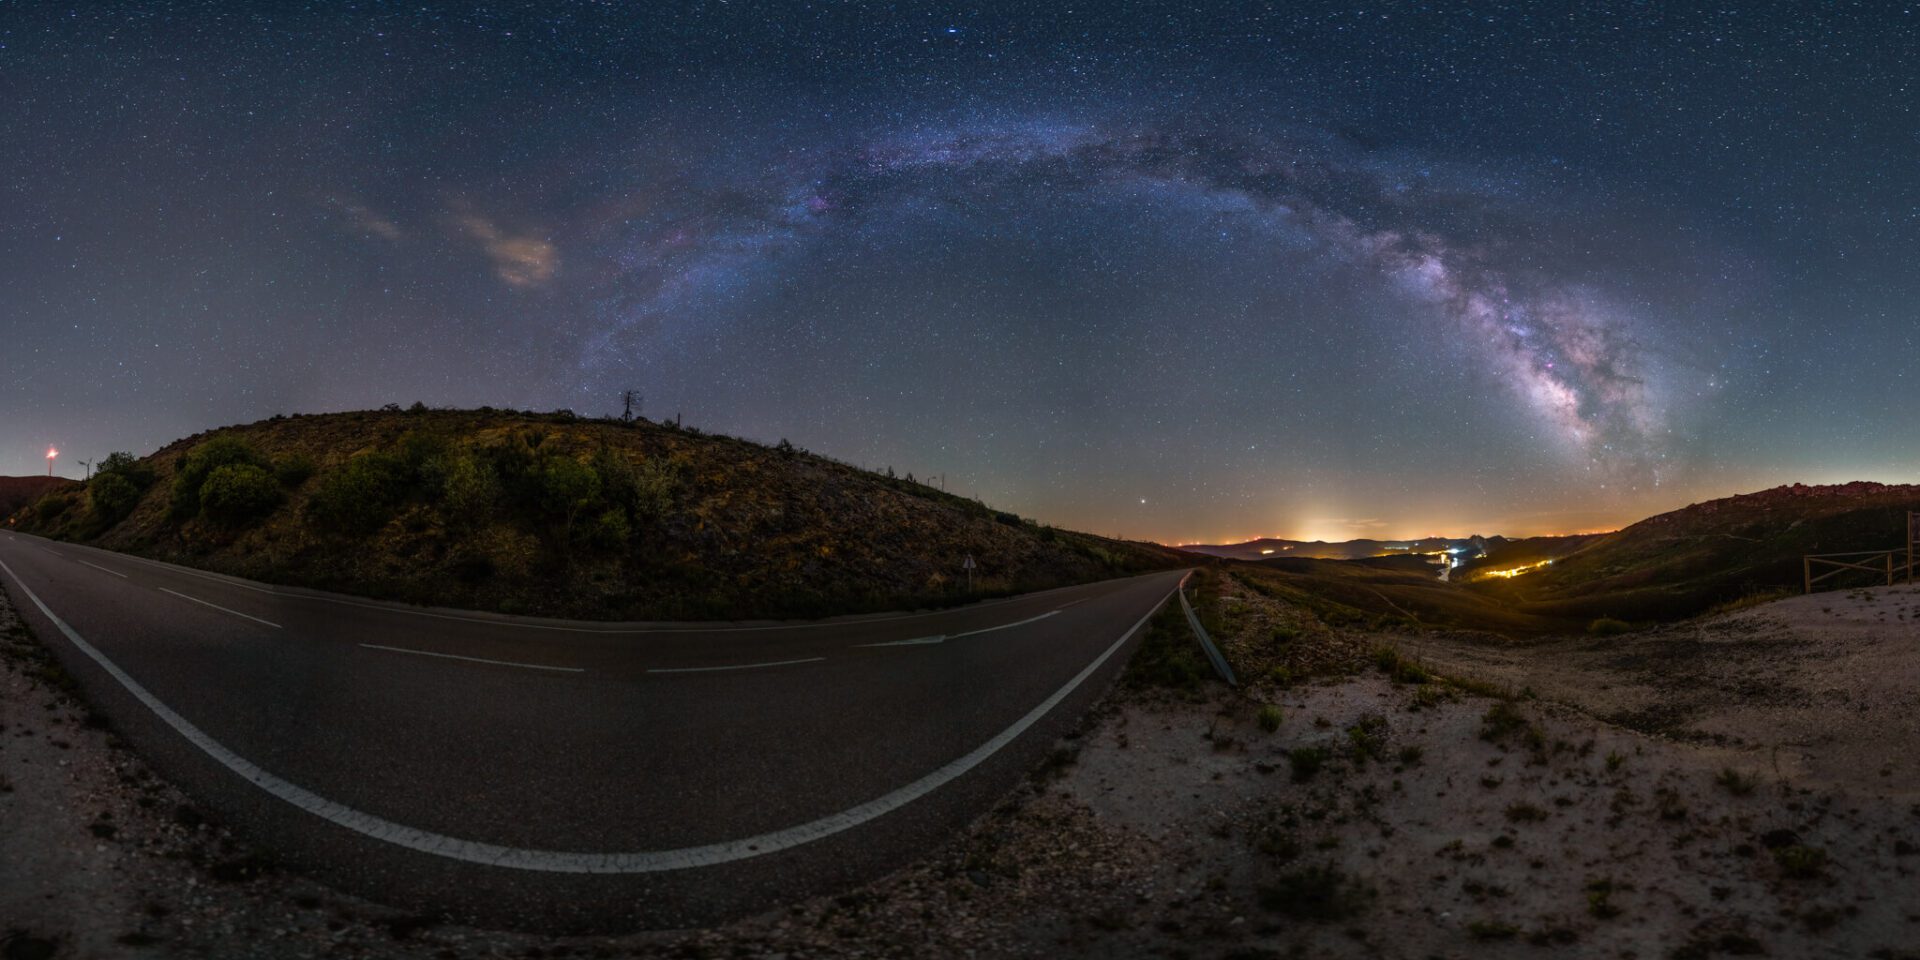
(1525, 813)
(1614, 759)
(1500, 722)
(1737, 783)
(1800, 862)
(1410, 755)
(1487, 930)
(1269, 717)
(1307, 761)
(1368, 738)
(1279, 844)
(1609, 627)
(1400, 668)
(1319, 893)
(1600, 898)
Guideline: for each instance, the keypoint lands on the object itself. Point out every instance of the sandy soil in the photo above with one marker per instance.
(1373, 819)
(1823, 689)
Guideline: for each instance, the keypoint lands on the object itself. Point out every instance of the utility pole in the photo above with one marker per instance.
(629, 399)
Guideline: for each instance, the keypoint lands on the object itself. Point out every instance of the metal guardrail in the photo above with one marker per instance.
(1206, 642)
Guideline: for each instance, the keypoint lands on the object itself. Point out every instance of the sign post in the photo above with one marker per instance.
(968, 567)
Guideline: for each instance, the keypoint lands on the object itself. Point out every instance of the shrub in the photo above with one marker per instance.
(567, 487)
(1608, 627)
(469, 493)
(610, 530)
(1737, 783)
(200, 463)
(1317, 893)
(1269, 717)
(361, 496)
(111, 496)
(292, 470)
(1307, 761)
(237, 493)
(1800, 862)
(125, 465)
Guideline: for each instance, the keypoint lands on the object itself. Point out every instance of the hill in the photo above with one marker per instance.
(18, 492)
(1390, 591)
(556, 515)
(1509, 554)
(1685, 562)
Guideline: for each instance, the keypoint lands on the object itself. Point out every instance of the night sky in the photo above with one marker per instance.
(1173, 273)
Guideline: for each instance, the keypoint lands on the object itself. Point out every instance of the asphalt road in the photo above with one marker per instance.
(573, 775)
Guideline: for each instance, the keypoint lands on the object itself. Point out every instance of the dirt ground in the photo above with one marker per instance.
(1348, 816)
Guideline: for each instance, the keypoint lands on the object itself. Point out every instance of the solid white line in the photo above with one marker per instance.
(99, 568)
(915, 642)
(943, 637)
(558, 861)
(737, 666)
(455, 656)
(220, 608)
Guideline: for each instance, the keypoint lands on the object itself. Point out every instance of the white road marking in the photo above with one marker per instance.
(220, 608)
(612, 629)
(915, 642)
(942, 637)
(560, 861)
(455, 656)
(737, 666)
(99, 568)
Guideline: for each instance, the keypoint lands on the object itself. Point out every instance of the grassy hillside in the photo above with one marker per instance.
(18, 492)
(1685, 562)
(1386, 592)
(556, 515)
(1506, 554)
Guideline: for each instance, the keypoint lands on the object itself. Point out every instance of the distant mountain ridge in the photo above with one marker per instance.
(1269, 547)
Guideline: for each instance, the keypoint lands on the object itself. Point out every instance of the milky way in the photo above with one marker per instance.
(1170, 270)
(1568, 355)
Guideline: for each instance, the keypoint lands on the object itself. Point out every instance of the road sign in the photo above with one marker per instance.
(969, 564)
(968, 567)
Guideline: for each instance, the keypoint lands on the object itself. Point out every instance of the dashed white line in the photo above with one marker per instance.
(100, 568)
(561, 861)
(455, 656)
(736, 666)
(220, 608)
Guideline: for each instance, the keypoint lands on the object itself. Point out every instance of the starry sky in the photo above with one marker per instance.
(1180, 272)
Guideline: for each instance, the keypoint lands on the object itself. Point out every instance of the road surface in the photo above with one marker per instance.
(567, 774)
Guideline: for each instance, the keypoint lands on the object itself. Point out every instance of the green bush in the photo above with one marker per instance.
(200, 463)
(238, 493)
(111, 496)
(469, 493)
(125, 465)
(362, 495)
(567, 487)
(1608, 627)
(611, 529)
(292, 470)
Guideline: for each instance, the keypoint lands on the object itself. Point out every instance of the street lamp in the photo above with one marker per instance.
(51, 453)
